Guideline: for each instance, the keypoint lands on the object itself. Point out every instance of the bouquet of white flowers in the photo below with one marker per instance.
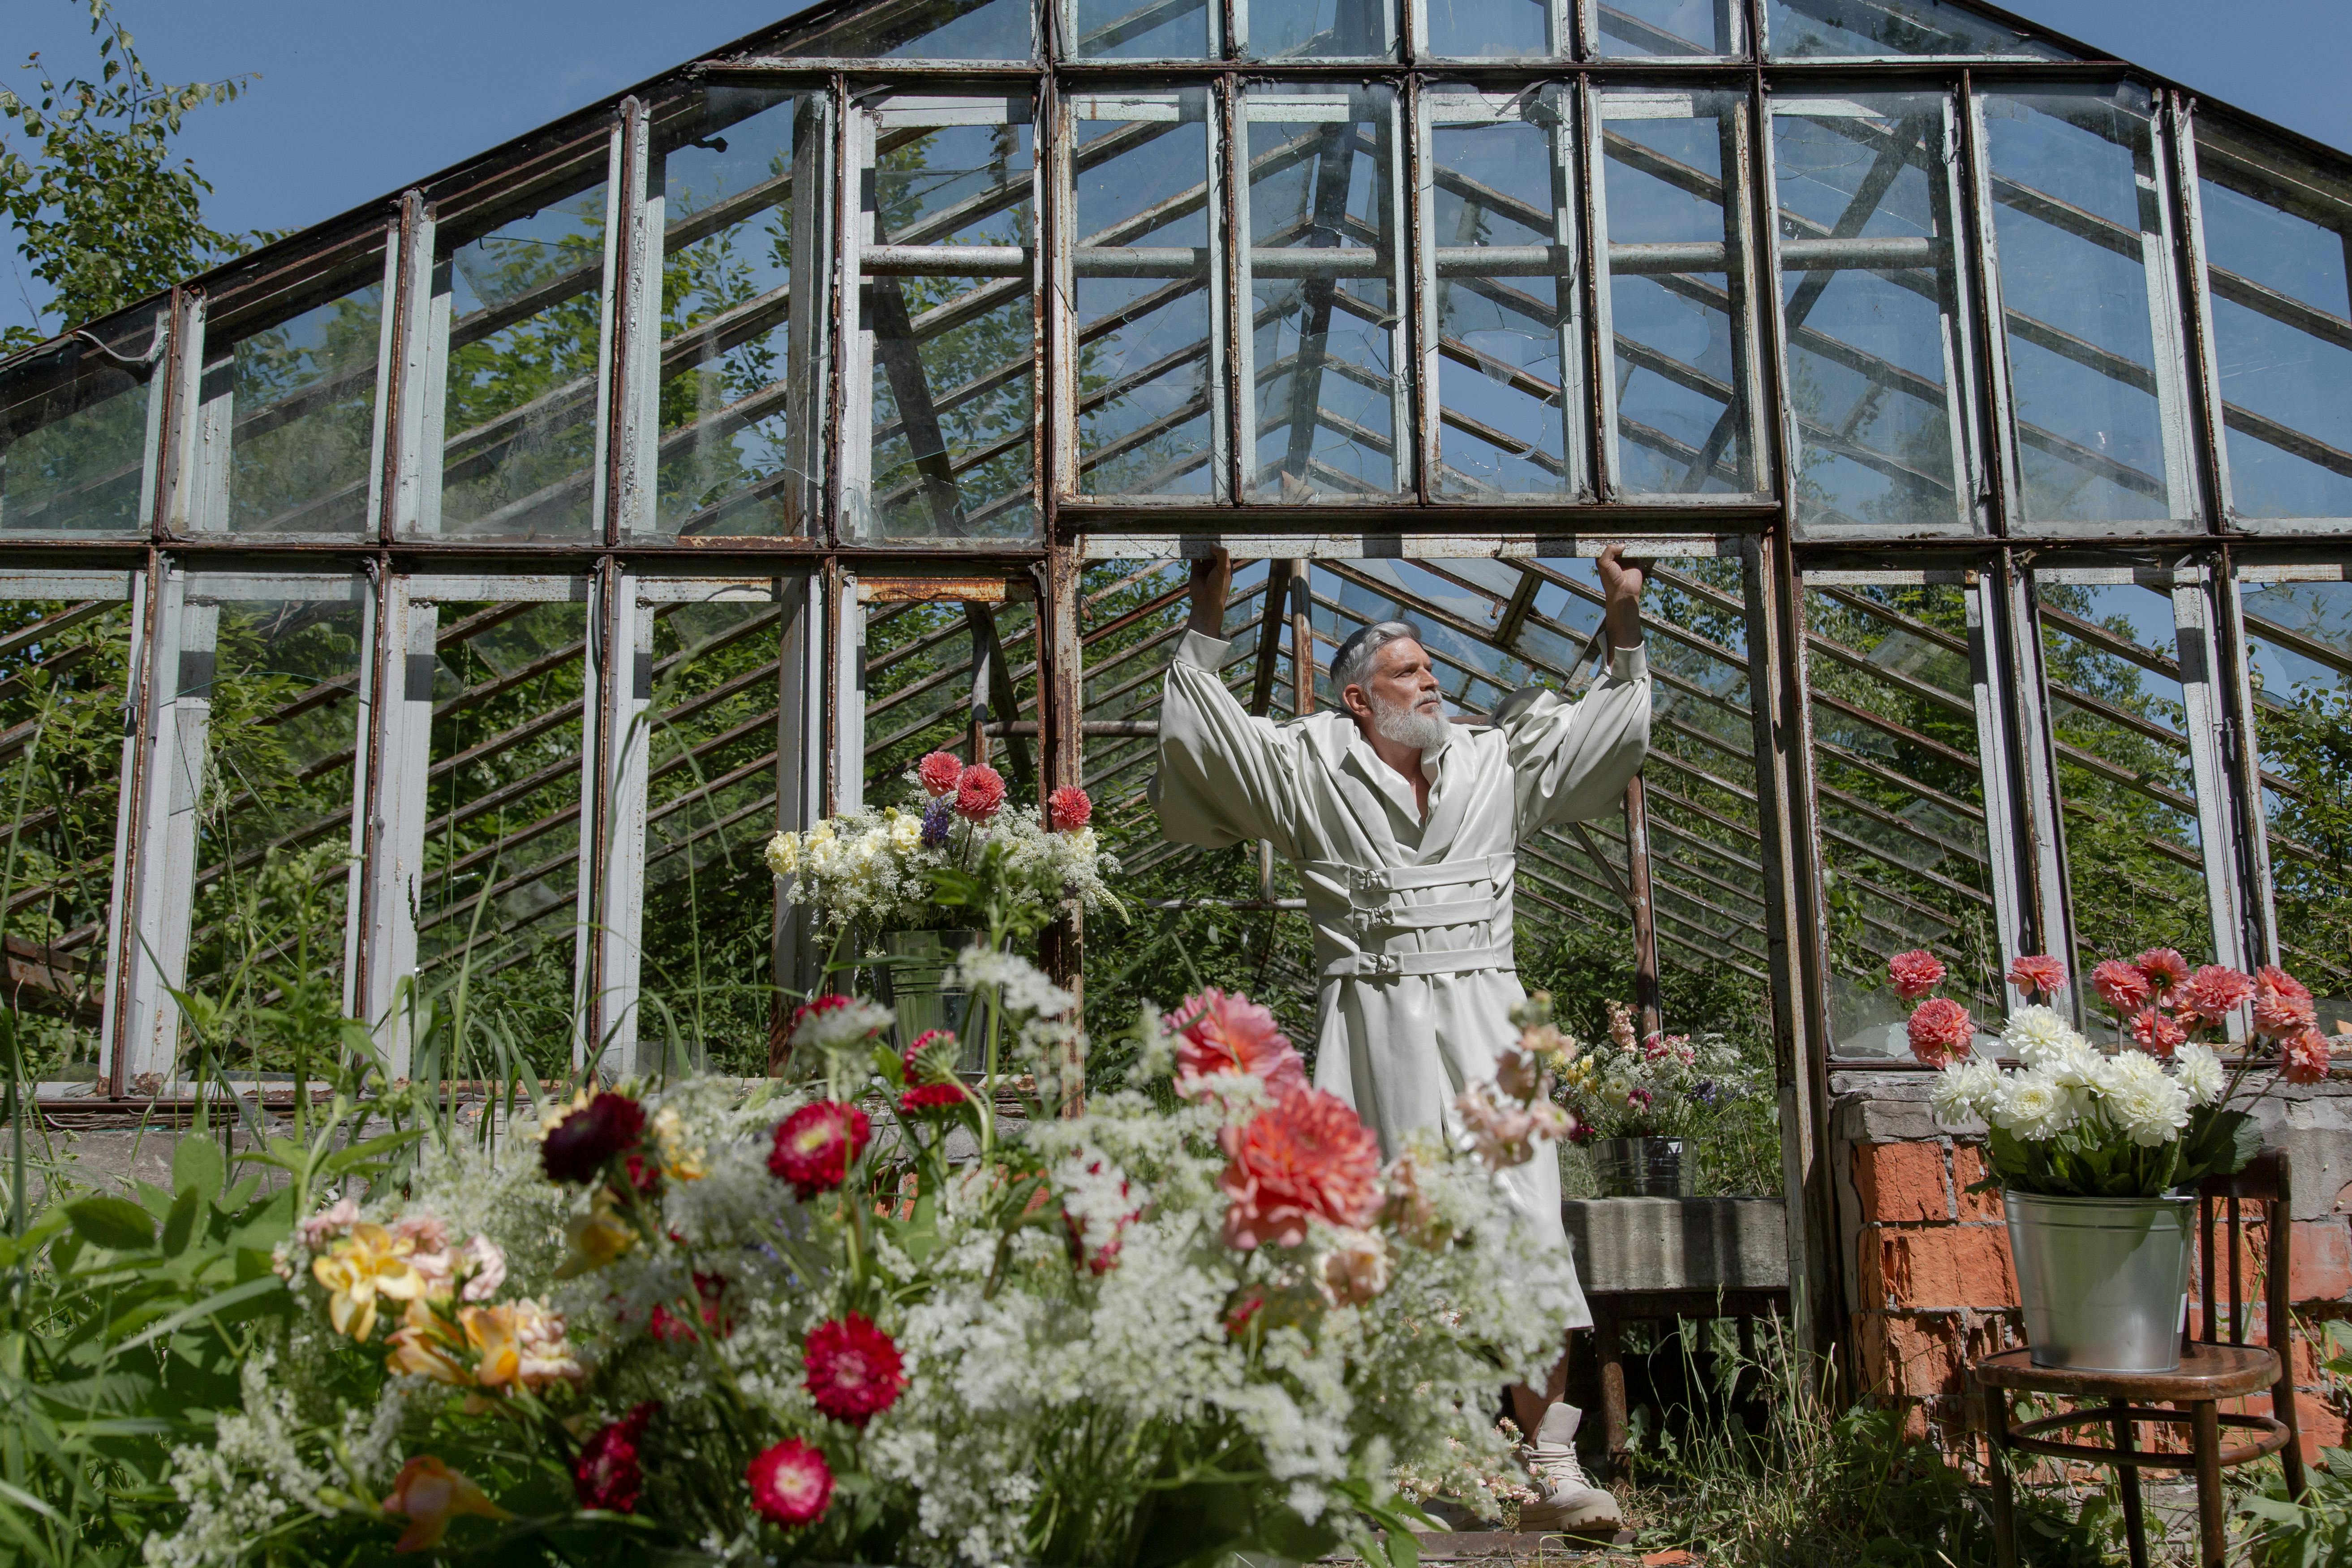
(880, 870)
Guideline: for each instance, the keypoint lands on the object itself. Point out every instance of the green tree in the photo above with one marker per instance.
(103, 211)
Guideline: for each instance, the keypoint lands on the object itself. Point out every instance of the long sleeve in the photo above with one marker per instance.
(1226, 777)
(1571, 761)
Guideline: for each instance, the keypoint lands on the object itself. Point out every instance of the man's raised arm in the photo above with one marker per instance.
(1573, 759)
(1225, 777)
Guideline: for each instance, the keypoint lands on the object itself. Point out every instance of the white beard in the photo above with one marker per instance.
(1421, 729)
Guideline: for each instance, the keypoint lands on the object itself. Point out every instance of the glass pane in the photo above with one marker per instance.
(267, 729)
(1147, 407)
(1667, 28)
(1499, 29)
(73, 434)
(952, 404)
(518, 422)
(63, 681)
(1677, 315)
(1871, 311)
(2299, 658)
(926, 30)
(2277, 229)
(497, 896)
(1804, 29)
(2093, 364)
(710, 898)
(1321, 278)
(1318, 29)
(298, 402)
(1905, 861)
(919, 693)
(1142, 29)
(1511, 349)
(2135, 857)
(733, 172)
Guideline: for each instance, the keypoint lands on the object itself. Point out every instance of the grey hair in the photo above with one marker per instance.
(1354, 660)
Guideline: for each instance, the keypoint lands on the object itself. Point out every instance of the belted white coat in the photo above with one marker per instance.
(1413, 917)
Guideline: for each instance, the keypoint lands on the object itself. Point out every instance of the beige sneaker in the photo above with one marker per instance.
(1571, 1501)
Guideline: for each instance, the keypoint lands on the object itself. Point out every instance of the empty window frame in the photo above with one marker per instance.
(1881, 29)
(77, 423)
(939, 436)
(2077, 208)
(948, 666)
(738, 195)
(1324, 412)
(1679, 401)
(1146, 295)
(1873, 297)
(1503, 335)
(2277, 231)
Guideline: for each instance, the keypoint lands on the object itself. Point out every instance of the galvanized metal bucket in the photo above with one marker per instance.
(2103, 1281)
(1642, 1168)
(920, 960)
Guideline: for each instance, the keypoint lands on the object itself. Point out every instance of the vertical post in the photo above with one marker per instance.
(1061, 682)
(413, 373)
(392, 855)
(800, 785)
(627, 695)
(1302, 640)
(1645, 923)
(179, 725)
(122, 950)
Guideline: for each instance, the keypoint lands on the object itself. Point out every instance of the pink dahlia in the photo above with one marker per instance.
(2038, 976)
(939, 773)
(2212, 992)
(980, 794)
(1915, 972)
(607, 1475)
(2157, 1034)
(1225, 1032)
(2165, 968)
(2282, 1003)
(791, 1483)
(854, 1372)
(2125, 987)
(2304, 1056)
(1941, 1031)
(1067, 809)
(1307, 1156)
(815, 1144)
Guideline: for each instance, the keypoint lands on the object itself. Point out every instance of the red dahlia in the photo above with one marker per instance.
(1307, 1156)
(577, 1147)
(791, 1483)
(815, 1144)
(606, 1475)
(853, 1369)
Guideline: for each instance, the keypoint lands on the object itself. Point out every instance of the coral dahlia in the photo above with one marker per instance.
(2212, 992)
(1915, 972)
(939, 772)
(1941, 1031)
(2282, 1003)
(2038, 976)
(980, 794)
(607, 1475)
(2165, 968)
(1225, 1032)
(854, 1372)
(1307, 1156)
(815, 1144)
(577, 1146)
(791, 1483)
(2304, 1057)
(2157, 1034)
(1067, 809)
(2127, 990)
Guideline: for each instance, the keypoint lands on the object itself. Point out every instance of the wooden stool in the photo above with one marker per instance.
(2210, 1373)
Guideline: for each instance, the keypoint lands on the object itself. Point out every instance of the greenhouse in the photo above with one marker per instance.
(449, 600)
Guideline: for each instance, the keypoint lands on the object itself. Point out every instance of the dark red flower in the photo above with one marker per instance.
(645, 1174)
(854, 1369)
(578, 1147)
(930, 1097)
(1243, 1306)
(606, 1475)
(791, 1483)
(1067, 809)
(980, 794)
(815, 1144)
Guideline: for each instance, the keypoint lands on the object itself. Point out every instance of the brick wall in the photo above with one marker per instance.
(1929, 1281)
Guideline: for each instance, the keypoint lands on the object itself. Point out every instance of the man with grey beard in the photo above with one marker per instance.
(1404, 829)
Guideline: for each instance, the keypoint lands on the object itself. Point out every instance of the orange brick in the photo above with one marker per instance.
(1871, 1286)
(1969, 1168)
(2319, 1424)
(1924, 1356)
(1948, 1266)
(2322, 1261)
(1902, 1183)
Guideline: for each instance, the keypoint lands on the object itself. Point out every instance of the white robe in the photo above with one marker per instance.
(1418, 977)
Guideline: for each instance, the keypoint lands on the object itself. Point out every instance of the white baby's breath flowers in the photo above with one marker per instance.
(1965, 1089)
(2033, 1106)
(2038, 1036)
(2141, 1099)
(2198, 1071)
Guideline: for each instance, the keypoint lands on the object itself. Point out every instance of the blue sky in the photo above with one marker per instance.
(355, 100)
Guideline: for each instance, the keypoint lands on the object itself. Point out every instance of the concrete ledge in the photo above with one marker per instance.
(1678, 1244)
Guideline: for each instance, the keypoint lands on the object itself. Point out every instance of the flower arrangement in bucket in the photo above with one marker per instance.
(2090, 1146)
(875, 1319)
(1636, 1100)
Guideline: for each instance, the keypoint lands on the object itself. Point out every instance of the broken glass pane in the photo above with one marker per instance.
(1817, 29)
(1667, 28)
(2276, 230)
(1676, 310)
(2095, 367)
(1905, 858)
(73, 431)
(1328, 416)
(926, 30)
(2299, 663)
(739, 171)
(523, 305)
(1148, 406)
(1871, 311)
(1509, 331)
(297, 401)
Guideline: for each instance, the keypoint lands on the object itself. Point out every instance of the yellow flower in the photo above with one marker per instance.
(681, 1162)
(430, 1494)
(418, 1348)
(521, 1345)
(785, 854)
(906, 834)
(598, 1237)
(366, 1264)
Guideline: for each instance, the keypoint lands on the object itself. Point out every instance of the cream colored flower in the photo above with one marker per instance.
(1352, 1267)
(2199, 1069)
(785, 854)
(682, 1161)
(2032, 1105)
(366, 1264)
